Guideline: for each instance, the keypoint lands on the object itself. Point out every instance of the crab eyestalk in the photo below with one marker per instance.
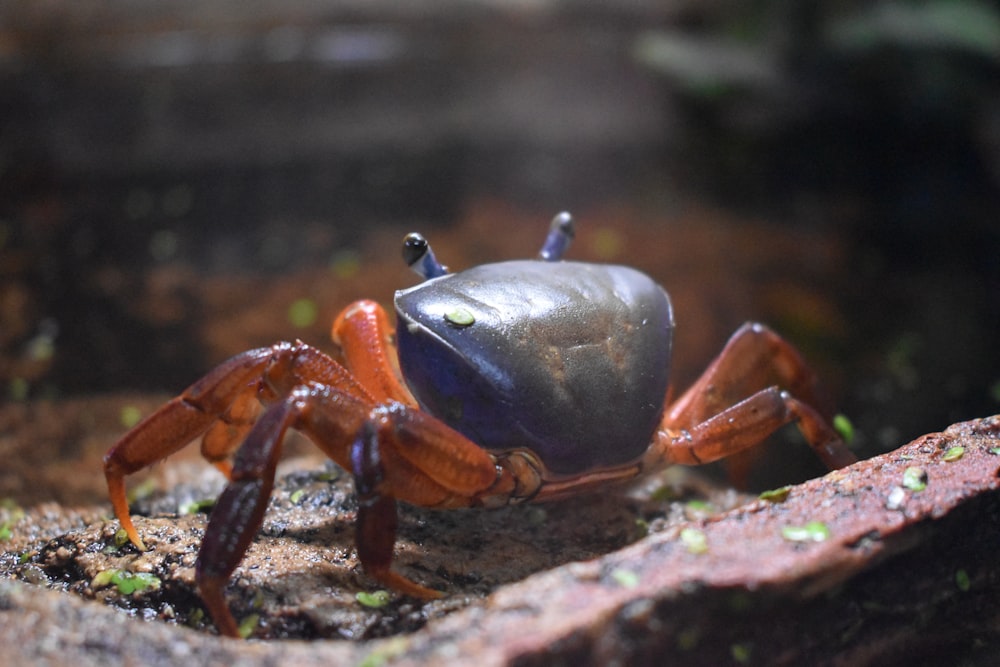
(560, 236)
(419, 256)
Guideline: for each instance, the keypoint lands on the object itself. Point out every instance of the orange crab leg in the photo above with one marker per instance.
(175, 424)
(754, 357)
(238, 514)
(365, 337)
(375, 532)
(397, 453)
(699, 428)
(746, 424)
(223, 393)
(226, 434)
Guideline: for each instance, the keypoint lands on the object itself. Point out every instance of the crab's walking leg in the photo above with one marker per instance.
(375, 532)
(225, 393)
(395, 453)
(239, 512)
(228, 432)
(746, 424)
(365, 338)
(754, 357)
(329, 415)
(408, 455)
(177, 423)
(777, 387)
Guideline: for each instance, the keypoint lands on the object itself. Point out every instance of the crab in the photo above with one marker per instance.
(525, 380)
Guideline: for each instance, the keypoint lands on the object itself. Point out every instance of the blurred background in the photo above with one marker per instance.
(180, 181)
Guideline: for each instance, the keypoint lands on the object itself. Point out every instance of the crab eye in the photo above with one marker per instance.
(561, 233)
(414, 247)
(419, 256)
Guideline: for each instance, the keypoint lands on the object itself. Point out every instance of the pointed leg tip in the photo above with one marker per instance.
(840, 458)
(214, 599)
(139, 544)
(420, 592)
(133, 534)
(401, 584)
(227, 627)
(434, 595)
(225, 467)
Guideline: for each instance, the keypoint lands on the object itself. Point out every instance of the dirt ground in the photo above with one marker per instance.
(901, 564)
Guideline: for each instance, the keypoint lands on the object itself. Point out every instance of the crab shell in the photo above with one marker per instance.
(567, 359)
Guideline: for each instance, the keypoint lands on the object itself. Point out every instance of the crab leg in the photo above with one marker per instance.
(375, 532)
(224, 393)
(396, 453)
(239, 512)
(228, 432)
(698, 428)
(176, 424)
(364, 335)
(754, 357)
(408, 455)
(746, 424)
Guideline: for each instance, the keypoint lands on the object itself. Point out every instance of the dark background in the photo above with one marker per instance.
(174, 176)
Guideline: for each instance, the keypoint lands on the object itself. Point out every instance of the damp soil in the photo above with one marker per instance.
(301, 577)
(878, 563)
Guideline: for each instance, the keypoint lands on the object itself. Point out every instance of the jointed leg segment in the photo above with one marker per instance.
(177, 423)
(710, 421)
(359, 437)
(394, 451)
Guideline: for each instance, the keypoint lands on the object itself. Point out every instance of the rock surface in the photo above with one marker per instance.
(888, 560)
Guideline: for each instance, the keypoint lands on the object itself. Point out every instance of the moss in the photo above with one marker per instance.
(915, 478)
(625, 578)
(694, 540)
(248, 625)
(375, 599)
(954, 454)
(779, 495)
(126, 582)
(814, 531)
(844, 428)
